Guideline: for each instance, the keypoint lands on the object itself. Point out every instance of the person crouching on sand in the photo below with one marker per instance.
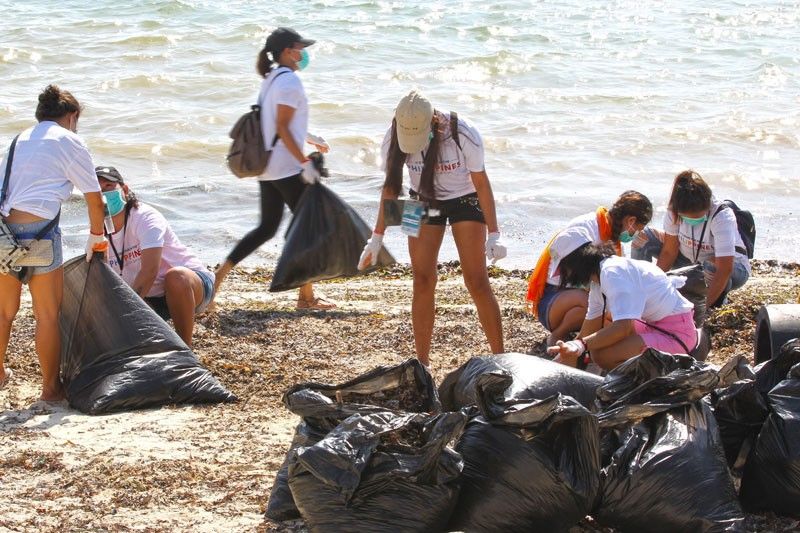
(150, 258)
(452, 179)
(646, 309)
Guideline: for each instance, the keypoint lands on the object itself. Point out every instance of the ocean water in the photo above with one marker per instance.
(576, 100)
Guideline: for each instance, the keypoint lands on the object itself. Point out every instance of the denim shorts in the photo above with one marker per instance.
(159, 303)
(543, 309)
(461, 209)
(30, 230)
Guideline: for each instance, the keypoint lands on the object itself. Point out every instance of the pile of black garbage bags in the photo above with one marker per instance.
(519, 443)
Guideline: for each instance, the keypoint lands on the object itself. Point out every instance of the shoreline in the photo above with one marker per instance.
(210, 468)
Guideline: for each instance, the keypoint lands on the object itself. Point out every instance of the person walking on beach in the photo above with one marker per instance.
(646, 309)
(150, 258)
(284, 120)
(561, 310)
(444, 157)
(698, 229)
(48, 159)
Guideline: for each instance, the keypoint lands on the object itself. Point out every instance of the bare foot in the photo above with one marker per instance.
(53, 394)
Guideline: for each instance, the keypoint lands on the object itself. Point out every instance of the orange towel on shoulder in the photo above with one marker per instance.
(538, 278)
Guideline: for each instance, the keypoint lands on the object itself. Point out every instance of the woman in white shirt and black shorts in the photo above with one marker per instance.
(452, 179)
(48, 160)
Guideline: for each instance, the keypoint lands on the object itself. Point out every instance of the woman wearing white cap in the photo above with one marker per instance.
(444, 157)
(46, 162)
(148, 255)
(646, 309)
(284, 121)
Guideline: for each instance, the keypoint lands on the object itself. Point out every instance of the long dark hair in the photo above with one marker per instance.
(577, 267)
(629, 203)
(264, 63)
(54, 103)
(396, 158)
(690, 193)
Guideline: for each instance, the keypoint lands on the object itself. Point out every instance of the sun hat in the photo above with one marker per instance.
(413, 116)
(109, 173)
(283, 38)
(567, 241)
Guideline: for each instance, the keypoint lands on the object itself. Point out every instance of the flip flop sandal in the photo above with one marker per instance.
(320, 304)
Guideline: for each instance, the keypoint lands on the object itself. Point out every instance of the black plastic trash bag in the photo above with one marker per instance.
(771, 479)
(324, 241)
(535, 378)
(695, 289)
(383, 471)
(529, 465)
(404, 387)
(117, 354)
(773, 371)
(664, 466)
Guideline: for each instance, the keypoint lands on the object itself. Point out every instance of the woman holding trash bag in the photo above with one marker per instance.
(646, 309)
(561, 310)
(46, 162)
(447, 173)
(698, 229)
(147, 254)
(284, 120)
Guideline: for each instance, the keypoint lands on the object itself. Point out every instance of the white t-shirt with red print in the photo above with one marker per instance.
(452, 176)
(147, 228)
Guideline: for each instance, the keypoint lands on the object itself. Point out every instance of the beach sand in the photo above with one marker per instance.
(210, 468)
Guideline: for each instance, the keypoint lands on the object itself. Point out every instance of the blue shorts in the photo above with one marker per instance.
(543, 309)
(30, 230)
(207, 277)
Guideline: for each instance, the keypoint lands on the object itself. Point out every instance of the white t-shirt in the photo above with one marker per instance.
(635, 290)
(147, 228)
(287, 89)
(720, 239)
(588, 221)
(48, 161)
(452, 177)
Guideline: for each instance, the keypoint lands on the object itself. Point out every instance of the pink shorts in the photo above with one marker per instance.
(682, 326)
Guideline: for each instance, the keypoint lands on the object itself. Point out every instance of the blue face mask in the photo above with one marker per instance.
(115, 202)
(626, 237)
(304, 60)
(694, 221)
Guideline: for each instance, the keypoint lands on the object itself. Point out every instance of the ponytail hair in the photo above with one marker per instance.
(396, 158)
(629, 203)
(264, 63)
(54, 103)
(690, 194)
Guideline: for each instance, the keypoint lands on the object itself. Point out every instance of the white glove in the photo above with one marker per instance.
(369, 257)
(310, 173)
(95, 243)
(494, 250)
(571, 349)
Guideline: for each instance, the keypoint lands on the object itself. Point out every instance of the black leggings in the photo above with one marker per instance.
(274, 194)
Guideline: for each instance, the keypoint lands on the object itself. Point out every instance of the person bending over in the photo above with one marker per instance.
(698, 229)
(150, 258)
(561, 309)
(646, 309)
(452, 179)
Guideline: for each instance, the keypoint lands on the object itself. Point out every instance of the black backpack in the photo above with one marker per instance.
(744, 223)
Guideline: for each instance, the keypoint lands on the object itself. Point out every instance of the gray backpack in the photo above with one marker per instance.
(247, 155)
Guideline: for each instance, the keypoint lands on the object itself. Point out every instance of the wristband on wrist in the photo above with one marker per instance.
(96, 234)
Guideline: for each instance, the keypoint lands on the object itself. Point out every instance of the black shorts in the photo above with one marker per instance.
(463, 208)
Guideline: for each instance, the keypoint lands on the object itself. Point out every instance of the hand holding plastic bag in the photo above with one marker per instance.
(95, 243)
(310, 172)
(369, 257)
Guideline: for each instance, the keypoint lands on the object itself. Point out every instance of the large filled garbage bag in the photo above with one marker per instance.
(529, 465)
(384, 471)
(664, 467)
(117, 354)
(771, 478)
(404, 387)
(534, 378)
(773, 371)
(324, 241)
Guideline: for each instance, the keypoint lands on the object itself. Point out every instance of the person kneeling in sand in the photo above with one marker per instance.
(646, 309)
(150, 258)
